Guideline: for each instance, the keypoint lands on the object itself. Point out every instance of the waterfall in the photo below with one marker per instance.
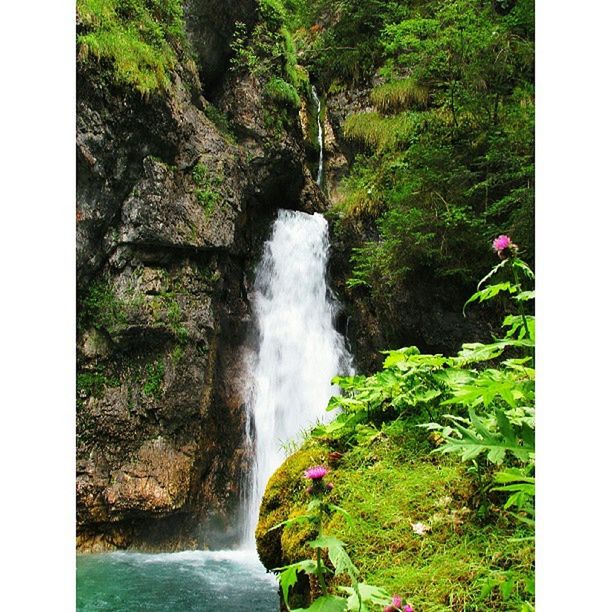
(299, 350)
(319, 137)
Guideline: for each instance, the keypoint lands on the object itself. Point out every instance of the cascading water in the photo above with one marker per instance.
(299, 350)
(319, 137)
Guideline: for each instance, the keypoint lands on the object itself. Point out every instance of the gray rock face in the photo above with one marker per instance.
(210, 26)
(171, 213)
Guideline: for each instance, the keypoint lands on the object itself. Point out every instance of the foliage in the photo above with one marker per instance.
(142, 38)
(268, 52)
(486, 395)
(449, 152)
(377, 131)
(206, 192)
(390, 481)
(154, 378)
(91, 383)
(494, 418)
(283, 93)
(220, 120)
(101, 307)
(399, 95)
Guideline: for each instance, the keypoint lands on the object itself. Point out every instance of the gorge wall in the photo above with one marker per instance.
(171, 210)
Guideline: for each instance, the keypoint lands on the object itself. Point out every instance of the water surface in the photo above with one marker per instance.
(175, 582)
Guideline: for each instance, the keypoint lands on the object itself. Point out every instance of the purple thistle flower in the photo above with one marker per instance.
(315, 473)
(501, 243)
(504, 247)
(408, 608)
(329, 486)
(396, 601)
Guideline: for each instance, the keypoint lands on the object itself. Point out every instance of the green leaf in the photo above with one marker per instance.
(337, 555)
(368, 594)
(327, 603)
(288, 575)
(347, 516)
(523, 268)
(476, 351)
(298, 519)
(492, 273)
(523, 296)
(490, 291)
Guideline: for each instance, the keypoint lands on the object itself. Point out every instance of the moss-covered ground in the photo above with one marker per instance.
(415, 529)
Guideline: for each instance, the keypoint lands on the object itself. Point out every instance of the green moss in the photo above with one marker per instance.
(140, 37)
(221, 121)
(154, 379)
(285, 494)
(166, 310)
(206, 191)
(282, 92)
(101, 307)
(177, 354)
(91, 383)
(387, 485)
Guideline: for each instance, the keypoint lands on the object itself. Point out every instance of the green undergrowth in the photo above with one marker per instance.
(379, 132)
(143, 39)
(102, 308)
(460, 562)
(431, 492)
(268, 53)
(399, 95)
(207, 188)
(445, 158)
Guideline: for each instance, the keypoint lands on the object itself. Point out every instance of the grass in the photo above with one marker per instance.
(140, 38)
(206, 191)
(399, 95)
(378, 132)
(101, 307)
(465, 562)
(154, 379)
(91, 383)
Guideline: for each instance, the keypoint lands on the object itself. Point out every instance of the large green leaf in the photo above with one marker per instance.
(364, 594)
(288, 575)
(327, 603)
(337, 555)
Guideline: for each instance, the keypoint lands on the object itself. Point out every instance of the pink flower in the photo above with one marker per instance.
(501, 243)
(504, 247)
(408, 608)
(315, 473)
(396, 601)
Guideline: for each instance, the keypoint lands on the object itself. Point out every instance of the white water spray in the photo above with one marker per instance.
(299, 350)
(319, 137)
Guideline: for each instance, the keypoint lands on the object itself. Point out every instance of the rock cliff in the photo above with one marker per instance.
(171, 210)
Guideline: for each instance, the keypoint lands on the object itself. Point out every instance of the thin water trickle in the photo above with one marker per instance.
(319, 137)
(299, 350)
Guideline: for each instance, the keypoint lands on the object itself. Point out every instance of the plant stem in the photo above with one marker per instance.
(320, 575)
(520, 304)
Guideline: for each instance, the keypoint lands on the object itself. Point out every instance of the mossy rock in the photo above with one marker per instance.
(285, 497)
(415, 529)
